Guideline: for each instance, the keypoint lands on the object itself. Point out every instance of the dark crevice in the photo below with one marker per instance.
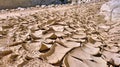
(77, 58)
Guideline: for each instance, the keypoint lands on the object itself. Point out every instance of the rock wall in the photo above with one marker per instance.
(83, 1)
(24, 3)
(111, 10)
(8, 4)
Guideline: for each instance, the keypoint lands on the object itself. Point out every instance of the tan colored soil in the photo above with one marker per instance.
(64, 35)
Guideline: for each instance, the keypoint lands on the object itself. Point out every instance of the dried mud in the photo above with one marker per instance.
(61, 36)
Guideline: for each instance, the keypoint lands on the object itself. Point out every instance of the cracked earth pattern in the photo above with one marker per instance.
(59, 36)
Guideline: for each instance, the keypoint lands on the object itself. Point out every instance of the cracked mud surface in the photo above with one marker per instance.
(67, 36)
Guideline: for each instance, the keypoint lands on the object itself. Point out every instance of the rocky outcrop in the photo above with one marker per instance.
(83, 1)
(111, 10)
(8, 4)
(25, 3)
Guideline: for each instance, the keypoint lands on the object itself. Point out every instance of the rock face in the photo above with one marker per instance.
(25, 3)
(83, 1)
(111, 10)
(8, 4)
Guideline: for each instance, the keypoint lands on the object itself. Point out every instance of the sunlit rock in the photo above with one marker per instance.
(111, 10)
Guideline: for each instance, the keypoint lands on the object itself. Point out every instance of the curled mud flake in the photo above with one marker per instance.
(75, 40)
(49, 41)
(97, 44)
(71, 61)
(53, 36)
(14, 57)
(80, 36)
(34, 27)
(67, 32)
(50, 35)
(69, 29)
(79, 53)
(60, 23)
(22, 64)
(96, 37)
(51, 21)
(44, 47)
(60, 34)
(91, 40)
(58, 28)
(55, 54)
(32, 46)
(68, 44)
(90, 49)
(5, 52)
(112, 49)
(37, 34)
(112, 58)
(78, 57)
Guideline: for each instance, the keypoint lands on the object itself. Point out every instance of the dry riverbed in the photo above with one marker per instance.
(55, 36)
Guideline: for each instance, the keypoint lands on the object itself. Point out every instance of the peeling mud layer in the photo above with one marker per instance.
(59, 36)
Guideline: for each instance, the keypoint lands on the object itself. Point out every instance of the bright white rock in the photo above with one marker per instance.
(111, 10)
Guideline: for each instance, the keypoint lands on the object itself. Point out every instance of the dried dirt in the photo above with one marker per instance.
(59, 36)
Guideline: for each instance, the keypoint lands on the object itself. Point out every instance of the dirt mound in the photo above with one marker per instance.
(74, 36)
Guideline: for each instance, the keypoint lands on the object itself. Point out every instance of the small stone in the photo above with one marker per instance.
(43, 6)
(21, 9)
